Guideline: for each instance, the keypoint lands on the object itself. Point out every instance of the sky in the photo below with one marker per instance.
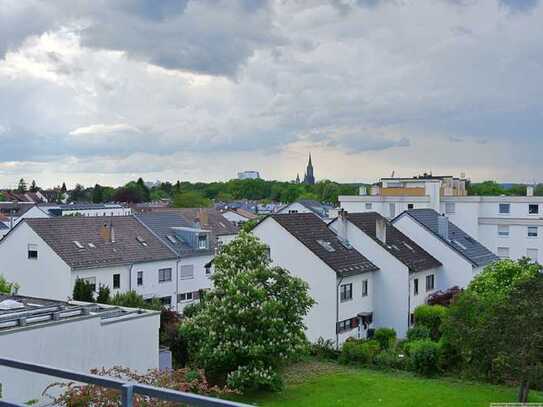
(107, 91)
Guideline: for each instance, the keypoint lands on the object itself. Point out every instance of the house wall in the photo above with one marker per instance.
(234, 217)
(47, 276)
(98, 212)
(295, 207)
(390, 283)
(420, 298)
(288, 252)
(456, 270)
(200, 281)
(79, 345)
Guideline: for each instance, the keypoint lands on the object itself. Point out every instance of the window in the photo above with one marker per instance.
(166, 301)
(116, 281)
(33, 251)
(78, 245)
(430, 282)
(505, 209)
(347, 325)
(292, 211)
(164, 275)
(326, 245)
(533, 254)
(532, 231)
(503, 230)
(392, 209)
(533, 209)
(184, 297)
(416, 286)
(140, 278)
(365, 288)
(207, 268)
(503, 252)
(346, 292)
(187, 272)
(410, 206)
(202, 241)
(450, 208)
(368, 205)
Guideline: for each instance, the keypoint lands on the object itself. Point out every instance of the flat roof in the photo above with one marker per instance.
(18, 312)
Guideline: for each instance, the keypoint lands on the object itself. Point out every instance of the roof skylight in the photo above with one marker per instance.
(326, 245)
(78, 245)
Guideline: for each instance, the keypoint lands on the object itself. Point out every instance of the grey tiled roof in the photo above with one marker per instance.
(217, 223)
(316, 207)
(3, 226)
(161, 223)
(397, 244)
(308, 228)
(458, 240)
(61, 232)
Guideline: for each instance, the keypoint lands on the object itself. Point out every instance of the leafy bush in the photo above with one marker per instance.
(191, 310)
(386, 337)
(83, 291)
(424, 357)
(187, 380)
(171, 337)
(359, 352)
(6, 287)
(132, 299)
(390, 359)
(324, 349)
(418, 333)
(431, 316)
(449, 357)
(104, 295)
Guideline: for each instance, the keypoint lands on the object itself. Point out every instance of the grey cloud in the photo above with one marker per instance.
(520, 5)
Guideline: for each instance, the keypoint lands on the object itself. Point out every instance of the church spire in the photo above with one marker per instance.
(309, 176)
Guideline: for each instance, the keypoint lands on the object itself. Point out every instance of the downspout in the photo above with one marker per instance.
(130, 277)
(337, 311)
(177, 283)
(408, 300)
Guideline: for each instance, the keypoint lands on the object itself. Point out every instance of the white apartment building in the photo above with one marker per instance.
(71, 335)
(249, 175)
(510, 226)
(340, 279)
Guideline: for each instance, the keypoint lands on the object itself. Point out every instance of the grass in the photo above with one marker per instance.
(319, 384)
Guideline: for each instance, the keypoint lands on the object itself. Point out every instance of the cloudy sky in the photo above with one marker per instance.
(105, 91)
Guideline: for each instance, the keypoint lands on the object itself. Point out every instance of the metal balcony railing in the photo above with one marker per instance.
(127, 389)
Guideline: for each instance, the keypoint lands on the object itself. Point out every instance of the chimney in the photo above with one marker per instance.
(112, 233)
(443, 226)
(203, 217)
(342, 226)
(105, 233)
(530, 190)
(381, 229)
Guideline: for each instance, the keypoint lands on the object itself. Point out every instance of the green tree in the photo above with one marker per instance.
(21, 188)
(251, 321)
(97, 194)
(190, 200)
(104, 295)
(34, 187)
(488, 188)
(2, 197)
(83, 291)
(78, 194)
(131, 299)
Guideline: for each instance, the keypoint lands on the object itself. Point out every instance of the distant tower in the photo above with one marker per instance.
(309, 178)
(297, 178)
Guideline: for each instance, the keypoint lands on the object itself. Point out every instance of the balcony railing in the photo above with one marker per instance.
(127, 389)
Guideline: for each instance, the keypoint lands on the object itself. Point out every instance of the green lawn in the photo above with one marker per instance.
(324, 384)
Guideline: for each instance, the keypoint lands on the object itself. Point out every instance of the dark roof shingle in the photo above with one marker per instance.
(60, 233)
(218, 224)
(397, 244)
(309, 229)
(458, 240)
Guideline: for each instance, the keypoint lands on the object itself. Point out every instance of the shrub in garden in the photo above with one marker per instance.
(431, 316)
(324, 349)
(251, 322)
(386, 337)
(390, 359)
(83, 291)
(418, 333)
(6, 287)
(423, 356)
(359, 352)
(104, 295)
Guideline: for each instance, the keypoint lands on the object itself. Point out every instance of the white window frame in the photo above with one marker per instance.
(34, 249)
(163, 275)
(432, 278)
(138, 275)
(530, 232)
(368, 206)
(504, 250)
(531, 256)
(533, 213)
(504, 205)
(365, 288)
(186, 276)
(346, 292)
(505, 232)
(450, 208)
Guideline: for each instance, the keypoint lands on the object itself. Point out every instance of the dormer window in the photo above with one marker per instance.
(202, 241)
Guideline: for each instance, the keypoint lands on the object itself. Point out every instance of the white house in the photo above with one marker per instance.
(87, 209)
(71, 335)
(340, 279)
(510, 226)
(407, 273)
(308, 206)
(46, 257)
(12, 213)
(238, 216)
(461, 255)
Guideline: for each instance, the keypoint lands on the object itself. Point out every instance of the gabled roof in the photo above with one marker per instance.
(16, 209)
(310, 230)
(162, 224)
(60, 233)
(243, 212)
(316, 207)
(218, 224)
(397, 244)
(458, 240)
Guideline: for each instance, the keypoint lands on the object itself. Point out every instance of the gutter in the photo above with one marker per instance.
(337, 311)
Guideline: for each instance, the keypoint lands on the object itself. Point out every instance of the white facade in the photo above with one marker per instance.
(394, 300)
(248, 175)
(456, 270)
(324, 284)
(295, 207)
(235, 217)
(504, 224)
(79, 344)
